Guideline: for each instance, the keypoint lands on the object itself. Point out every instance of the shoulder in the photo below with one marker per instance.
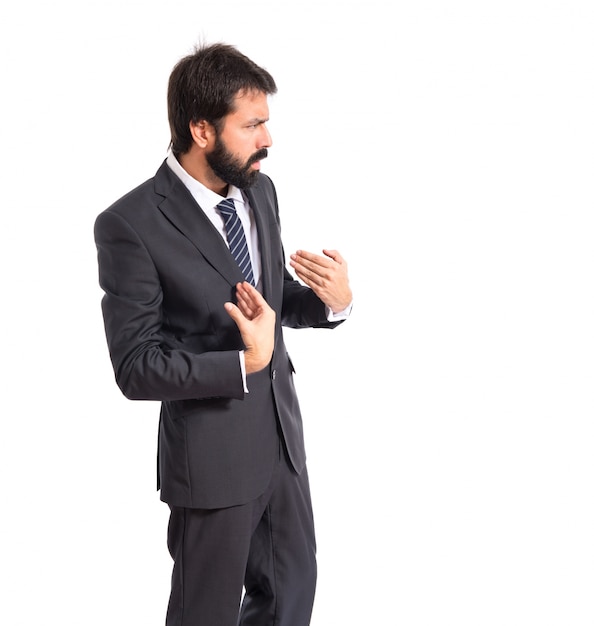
(264, 191)
(144, 196)
(264, 181)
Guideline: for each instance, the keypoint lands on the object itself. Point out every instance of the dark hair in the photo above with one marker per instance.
(203, 86)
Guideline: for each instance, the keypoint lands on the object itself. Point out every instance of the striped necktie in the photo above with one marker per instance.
(236, 238)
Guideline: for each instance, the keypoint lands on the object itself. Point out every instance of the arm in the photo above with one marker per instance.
(149, 362)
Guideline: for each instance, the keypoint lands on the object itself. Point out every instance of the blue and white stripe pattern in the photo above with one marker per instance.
(236, 238)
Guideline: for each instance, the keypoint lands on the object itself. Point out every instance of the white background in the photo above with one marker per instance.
(449, 423)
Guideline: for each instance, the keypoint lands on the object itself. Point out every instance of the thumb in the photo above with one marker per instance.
(234, 313)
(334, 255)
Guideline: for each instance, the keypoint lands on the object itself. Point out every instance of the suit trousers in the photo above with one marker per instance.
(248, 565)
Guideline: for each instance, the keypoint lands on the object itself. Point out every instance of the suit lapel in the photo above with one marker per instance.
(257, 204)
(180, 208)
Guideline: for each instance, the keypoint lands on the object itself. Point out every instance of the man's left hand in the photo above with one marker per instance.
(326, 275)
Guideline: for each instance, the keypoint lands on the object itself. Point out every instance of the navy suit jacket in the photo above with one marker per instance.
(166, 273)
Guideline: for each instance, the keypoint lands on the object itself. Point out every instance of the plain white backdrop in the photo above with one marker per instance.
(446, 149)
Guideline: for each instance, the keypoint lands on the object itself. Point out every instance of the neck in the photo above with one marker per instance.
(199, 169)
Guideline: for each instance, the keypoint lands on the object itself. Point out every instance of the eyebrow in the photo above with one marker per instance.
(257, 120)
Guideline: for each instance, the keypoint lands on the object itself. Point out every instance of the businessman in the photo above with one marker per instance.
(196, 292)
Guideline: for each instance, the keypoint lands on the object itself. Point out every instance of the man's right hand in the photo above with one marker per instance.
(255, 320)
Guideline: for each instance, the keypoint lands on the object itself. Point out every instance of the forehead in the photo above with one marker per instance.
(250, 104)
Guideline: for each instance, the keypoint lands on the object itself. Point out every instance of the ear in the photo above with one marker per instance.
(202, 133)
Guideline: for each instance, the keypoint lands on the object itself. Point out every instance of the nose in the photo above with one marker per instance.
(265, 137)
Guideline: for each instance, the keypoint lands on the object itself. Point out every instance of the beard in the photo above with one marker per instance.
(230, 169)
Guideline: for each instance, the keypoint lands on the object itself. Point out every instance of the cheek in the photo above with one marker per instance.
(243, 149)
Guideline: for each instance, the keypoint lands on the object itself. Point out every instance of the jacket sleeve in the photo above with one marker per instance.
(147, 364)
(301, 306)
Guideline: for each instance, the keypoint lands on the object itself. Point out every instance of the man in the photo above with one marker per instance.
(185, 326)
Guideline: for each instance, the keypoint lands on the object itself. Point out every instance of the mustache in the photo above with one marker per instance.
(257, 156)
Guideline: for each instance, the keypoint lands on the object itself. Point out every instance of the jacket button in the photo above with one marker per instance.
(273, 374)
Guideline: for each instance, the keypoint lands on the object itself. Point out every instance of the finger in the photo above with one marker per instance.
(248, 312)
(312, 257)
(334, 255)
(312, 262)
(246, 308)
(309, 277)
(321, 271)
(250, 294)
(251, 300)
(245, 290)
(308, 258)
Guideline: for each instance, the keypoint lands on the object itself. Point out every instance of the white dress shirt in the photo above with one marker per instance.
(208, 200)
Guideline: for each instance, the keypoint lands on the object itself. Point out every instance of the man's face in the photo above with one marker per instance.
(243, 141)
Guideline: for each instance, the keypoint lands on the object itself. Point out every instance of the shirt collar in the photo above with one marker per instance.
(205, 197)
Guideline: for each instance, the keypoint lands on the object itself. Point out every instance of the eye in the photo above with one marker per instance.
(253, 125)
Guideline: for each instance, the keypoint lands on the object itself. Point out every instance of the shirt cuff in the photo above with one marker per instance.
(243, 374)
(341, 315)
